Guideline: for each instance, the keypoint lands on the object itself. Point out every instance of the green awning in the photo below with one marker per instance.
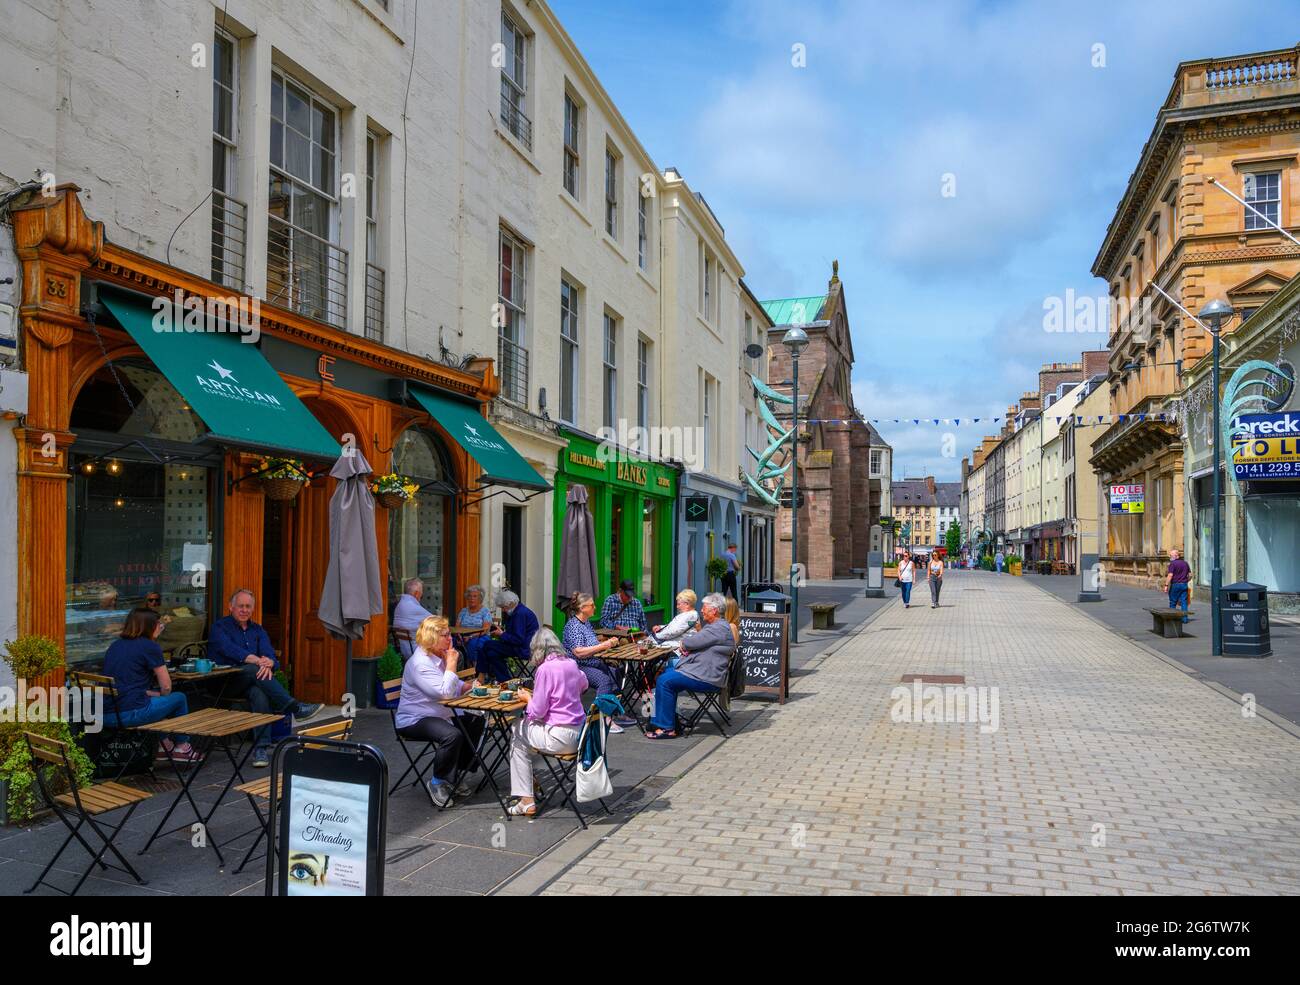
(229, 383)
(501, 464)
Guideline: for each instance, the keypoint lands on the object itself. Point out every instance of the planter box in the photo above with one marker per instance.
(380, 700)
(365, 675)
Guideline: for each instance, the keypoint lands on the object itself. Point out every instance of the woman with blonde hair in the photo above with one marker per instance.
(682, 623)
(732, 615)
(428, 679)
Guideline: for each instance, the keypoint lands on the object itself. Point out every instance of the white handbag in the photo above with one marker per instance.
(593, 782)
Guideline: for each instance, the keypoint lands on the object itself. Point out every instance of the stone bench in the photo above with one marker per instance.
(860, 572)
(823, 614)
(1168, 622)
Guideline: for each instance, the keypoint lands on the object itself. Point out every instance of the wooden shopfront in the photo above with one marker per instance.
(632, 502)
(125, 488)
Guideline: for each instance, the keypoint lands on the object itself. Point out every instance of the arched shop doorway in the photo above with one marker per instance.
(421, 534)
(140, 510)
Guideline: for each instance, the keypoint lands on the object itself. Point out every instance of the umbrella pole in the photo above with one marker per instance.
(348, 673)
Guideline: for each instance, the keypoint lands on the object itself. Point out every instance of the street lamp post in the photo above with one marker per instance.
(1213, 314)
(795, 340)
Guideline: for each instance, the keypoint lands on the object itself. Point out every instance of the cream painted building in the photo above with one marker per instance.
(1048, 534)
(1083, 494)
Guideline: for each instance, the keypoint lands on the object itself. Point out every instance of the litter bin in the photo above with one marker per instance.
(766, 597)
(1244, 608)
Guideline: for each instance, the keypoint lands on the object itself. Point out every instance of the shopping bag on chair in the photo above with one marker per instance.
(591, 781)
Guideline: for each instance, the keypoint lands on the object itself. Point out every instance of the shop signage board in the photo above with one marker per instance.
(765, 653)
(697, 508)
(1127, 499)
(1266, 446)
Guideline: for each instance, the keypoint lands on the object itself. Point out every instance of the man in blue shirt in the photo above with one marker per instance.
(733, 568)
(236, 641)
(622, 610)
(510, 640)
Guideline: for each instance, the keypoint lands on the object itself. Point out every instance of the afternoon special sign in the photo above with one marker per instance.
(1266, 446)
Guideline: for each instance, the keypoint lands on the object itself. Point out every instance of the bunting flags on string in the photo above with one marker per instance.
(957, 421)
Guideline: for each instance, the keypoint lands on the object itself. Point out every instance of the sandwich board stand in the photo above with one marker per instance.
(328, 824)
(765, 653)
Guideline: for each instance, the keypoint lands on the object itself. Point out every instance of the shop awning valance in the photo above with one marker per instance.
(229, 383)
(501, 464)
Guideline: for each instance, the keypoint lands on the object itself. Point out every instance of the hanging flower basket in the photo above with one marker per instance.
(393, 490)
(282, 478)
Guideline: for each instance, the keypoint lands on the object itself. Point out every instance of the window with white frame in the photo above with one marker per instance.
(1263, 191)
(307, 268)
(512, 297)
(610, 374)
(229, 215)
(643, 388)
(708, 413)
(375, 276)
(572, 153)
(514, 81)
(611, 192)
(569, 354)
(708, 273)
(877, 461)
(642, 229)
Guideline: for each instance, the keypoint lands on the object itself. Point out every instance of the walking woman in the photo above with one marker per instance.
(934, 575)
(906, 578)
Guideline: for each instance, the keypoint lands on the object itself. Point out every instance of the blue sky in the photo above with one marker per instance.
(846, 159)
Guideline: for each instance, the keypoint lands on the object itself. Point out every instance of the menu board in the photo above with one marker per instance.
(765, 653)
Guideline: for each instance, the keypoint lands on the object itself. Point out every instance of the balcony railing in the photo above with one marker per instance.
(374, 302)
(229, 230)
(1250, 71)
(306, 273)
(514, 119)
(512, 367)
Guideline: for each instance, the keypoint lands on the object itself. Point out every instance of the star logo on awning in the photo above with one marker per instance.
(472, 429)
(222, 371)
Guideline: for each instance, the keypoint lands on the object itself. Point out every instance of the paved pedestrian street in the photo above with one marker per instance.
(1110, 771)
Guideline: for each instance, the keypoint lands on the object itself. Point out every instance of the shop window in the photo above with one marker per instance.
(417, 533)
(649, 553)
(1272, 532)
(132, 399)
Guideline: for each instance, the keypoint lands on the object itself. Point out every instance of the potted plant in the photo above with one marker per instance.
(393, 490)
(715, 569)
(390, 668)
(30, 658)
(283, 478)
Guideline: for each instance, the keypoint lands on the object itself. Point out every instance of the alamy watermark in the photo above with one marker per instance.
(76, 705)
(235, 315)
(949, 704)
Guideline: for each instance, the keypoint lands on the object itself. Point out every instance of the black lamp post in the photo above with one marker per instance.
(795, 340)
(1213, 314)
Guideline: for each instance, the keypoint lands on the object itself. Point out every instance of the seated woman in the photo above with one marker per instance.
(144, 688)
(702, 665)
(683, 622)
(553, 719)
(428, 679)
(475, 614)
(581, 643)
(732, 615)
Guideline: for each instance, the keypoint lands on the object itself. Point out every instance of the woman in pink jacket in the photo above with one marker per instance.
(553, 719)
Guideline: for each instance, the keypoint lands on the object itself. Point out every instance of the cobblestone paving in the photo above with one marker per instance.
(1109, 773)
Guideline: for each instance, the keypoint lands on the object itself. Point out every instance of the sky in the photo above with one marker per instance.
(960, 159)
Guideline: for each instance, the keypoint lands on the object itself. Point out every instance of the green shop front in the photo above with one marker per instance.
(633, 512)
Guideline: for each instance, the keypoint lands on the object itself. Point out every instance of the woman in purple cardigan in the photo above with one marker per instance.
(553, 719)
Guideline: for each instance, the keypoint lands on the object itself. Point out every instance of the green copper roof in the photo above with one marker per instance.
(795, 311)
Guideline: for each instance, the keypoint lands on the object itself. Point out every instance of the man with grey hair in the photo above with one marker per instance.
(410, 612)
(506, 642)
(701, 665)
(236, 641)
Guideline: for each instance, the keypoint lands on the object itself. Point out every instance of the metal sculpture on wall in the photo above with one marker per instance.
(770, 478)
(1237, 401)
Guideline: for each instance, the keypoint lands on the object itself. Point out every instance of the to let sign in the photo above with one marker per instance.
(1127, 499)
(1266, 446)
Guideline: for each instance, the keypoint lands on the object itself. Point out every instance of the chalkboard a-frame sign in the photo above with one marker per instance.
(765, 653)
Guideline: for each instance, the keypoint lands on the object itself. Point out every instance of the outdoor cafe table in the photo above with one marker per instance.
(223, 674)
(496, 732)
(206, 729)
(638, 677)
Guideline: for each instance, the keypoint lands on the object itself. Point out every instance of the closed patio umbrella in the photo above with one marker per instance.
(353, 591)
(578, 548)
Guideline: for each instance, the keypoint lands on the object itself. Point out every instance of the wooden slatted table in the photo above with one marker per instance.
(467, 630)
(496, 730)
(638, 675)
(207, 729)
(222, 674)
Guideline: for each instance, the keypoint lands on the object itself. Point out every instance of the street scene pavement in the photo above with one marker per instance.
(1109, 772)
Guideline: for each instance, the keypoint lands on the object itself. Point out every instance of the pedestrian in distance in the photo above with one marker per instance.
(906, 578)
(733, 568)
(999, 559)
(1178, 581)
(934, 575)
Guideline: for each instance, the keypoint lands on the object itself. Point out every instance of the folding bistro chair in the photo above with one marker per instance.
(564, 767)
(392, 694)
(83, 804)
(259, 790)
(140, 744)
(709, 703)
(403, 641)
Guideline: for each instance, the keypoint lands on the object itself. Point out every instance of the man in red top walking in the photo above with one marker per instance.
(1178, 581)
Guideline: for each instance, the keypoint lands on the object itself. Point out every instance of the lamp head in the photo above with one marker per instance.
(796, 340)
(1214, 313)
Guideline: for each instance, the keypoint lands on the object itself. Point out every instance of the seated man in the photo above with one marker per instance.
(237, 641)
(622, 610)
(701, 666)
(410, 612)
(511, 639)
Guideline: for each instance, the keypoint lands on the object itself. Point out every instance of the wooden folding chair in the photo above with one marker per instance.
(709, 703)
(392, 694)
(85, 805)
(402, 638)
(259, 791)
(564, 768)
(107, 688)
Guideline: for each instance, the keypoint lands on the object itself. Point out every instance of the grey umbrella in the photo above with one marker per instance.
(353, 592)
(578, 548)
